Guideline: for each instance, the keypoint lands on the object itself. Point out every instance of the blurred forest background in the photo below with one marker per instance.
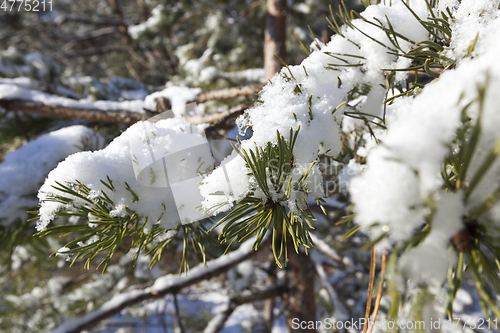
(120, 50)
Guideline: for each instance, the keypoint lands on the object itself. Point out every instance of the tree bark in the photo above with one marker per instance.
(274, 36)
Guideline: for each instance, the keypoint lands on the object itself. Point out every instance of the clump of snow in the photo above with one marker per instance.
(307, 96)
(403, 173)
(153, 168)
(446, 222)
(24, 170)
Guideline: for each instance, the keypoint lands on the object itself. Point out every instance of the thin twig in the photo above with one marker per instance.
(373, 263)
(178, 314)
(379, 294)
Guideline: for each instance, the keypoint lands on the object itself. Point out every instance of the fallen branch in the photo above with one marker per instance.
(117, 116)
(130, 117)
(164, 285)
(217, 323)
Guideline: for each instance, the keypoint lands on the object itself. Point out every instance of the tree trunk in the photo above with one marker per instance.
(274, 36)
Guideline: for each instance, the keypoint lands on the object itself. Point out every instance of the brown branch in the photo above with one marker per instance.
(370, 289)
(130, 117)
(379, 293)
(168, 284)
(118, 116)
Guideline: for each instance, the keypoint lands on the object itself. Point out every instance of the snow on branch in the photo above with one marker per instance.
(14, 98)
(164, 285)
(116, 116)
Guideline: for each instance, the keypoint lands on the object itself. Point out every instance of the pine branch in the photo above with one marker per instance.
(164, 285)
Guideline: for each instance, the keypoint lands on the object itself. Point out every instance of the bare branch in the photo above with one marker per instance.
(117, 116)
(164, 285)
(130, 117)
(217, 323)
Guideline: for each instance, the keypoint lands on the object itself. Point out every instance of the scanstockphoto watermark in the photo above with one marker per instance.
(355, 324)
(432, 324)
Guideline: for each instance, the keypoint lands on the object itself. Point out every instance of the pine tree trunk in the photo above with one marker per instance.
(274, 36)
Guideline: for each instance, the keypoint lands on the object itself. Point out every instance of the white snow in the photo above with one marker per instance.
(24, 170)
(403, 173)
(161, 163)
(287, 99)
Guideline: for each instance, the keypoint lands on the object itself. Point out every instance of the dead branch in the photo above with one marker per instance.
(117, 116)
(164, 285)
(130, 117)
